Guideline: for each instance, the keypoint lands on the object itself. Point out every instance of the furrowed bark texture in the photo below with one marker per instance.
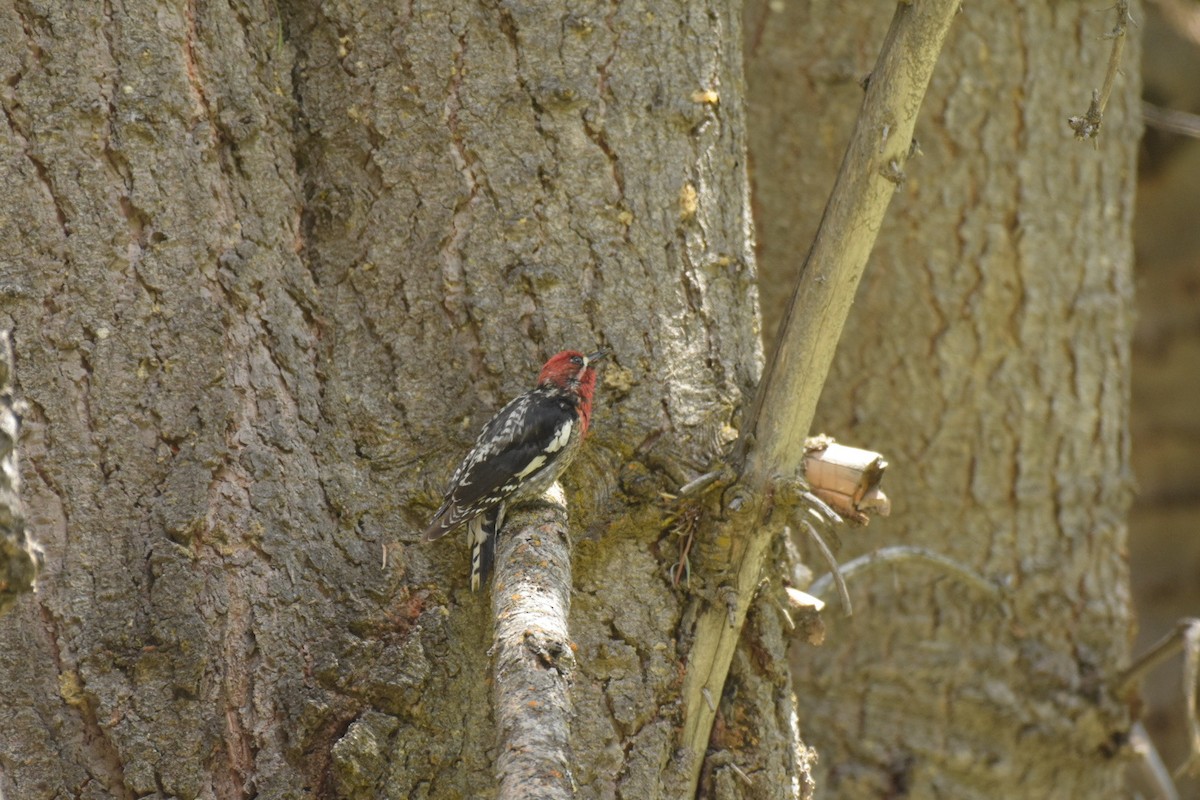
(152, 278)
(269, 268)
(531, 599)
(987, 355)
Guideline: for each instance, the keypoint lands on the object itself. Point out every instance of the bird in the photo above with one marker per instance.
(518, 454)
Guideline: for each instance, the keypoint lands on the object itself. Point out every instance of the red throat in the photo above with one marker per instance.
(587, 387)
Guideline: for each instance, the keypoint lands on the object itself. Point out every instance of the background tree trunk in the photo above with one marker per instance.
(988, 357)
(1164, 550)
(269, 267)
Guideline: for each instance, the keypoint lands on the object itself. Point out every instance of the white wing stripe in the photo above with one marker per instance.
(534, 465)
(561, 439)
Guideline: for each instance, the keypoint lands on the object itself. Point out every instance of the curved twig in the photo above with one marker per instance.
(835, 571)
(899, 553)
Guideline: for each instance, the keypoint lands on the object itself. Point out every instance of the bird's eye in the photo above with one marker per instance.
(577, 361)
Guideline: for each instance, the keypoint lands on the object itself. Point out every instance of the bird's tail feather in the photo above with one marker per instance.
(482, 531)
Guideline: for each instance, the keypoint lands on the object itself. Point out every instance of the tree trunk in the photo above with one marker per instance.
(988, 358)
(268, 269)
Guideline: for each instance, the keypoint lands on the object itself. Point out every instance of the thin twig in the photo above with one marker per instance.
(695, 485)
(1150, 763)
(684, 526)
(1157, 653)
(834, 570)
(683, 565)
(1191, 677)
(900, 553)
(741, 774)
(831, 517)
(1088, 126)
(1185, 637)
(1172, 120)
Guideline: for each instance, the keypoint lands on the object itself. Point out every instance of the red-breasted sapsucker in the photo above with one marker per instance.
(518, 454)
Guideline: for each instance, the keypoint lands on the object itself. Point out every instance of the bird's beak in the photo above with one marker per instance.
(596, 356)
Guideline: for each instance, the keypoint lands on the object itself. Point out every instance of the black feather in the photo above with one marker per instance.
(508, 443)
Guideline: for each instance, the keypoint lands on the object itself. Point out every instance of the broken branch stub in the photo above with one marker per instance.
(847, 478)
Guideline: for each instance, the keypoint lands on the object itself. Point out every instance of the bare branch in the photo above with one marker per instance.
(531, 597)
(1191, 687)
(773, 437)
(900, 553)
(834, 570)
(1185, 637)
(1150, 763)
(1088, 126)
(1156, 654)
(1171, 120)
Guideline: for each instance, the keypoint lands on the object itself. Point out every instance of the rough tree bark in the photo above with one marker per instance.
(268, 267)
(988, 357)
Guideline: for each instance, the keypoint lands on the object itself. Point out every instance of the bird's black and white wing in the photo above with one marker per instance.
(524, 437)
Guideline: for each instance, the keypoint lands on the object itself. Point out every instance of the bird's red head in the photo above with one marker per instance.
(575, 373)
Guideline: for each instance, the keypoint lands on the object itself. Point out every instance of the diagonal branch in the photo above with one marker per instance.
(531, 597)
(773, 438)
(1088, 125)
(872, 168)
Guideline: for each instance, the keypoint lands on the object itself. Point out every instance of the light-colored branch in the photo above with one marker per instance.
(1088, 125)
(1150, 764)
(20, 557)
(773, 438)
(1157, 653)
(1191, 695)
(531, 597)
(871, 169)
(1185, 637)
(1171, 120)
